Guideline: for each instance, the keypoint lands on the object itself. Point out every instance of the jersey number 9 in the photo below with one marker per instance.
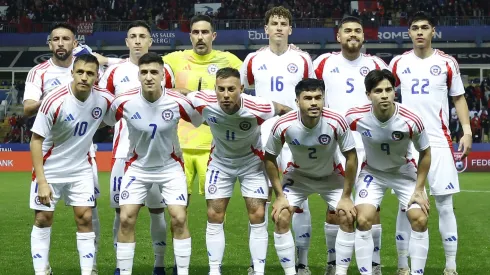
(385, 147)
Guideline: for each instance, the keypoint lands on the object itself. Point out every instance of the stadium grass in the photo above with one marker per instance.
(16, 224)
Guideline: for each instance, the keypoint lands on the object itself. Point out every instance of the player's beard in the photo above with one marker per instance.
(346, 47)
(62, 57)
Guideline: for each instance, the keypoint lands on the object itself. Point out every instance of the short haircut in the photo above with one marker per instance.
(87, 58)
(201, 17)
(374, 77)
(227, 72)
(150, 57)
(139, 23)
(309, 84)
(350, 19)
(421, 16)
(64, 26)
(279, 12)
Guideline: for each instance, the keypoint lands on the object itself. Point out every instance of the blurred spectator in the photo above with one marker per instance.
(13, 121)
(476, 129)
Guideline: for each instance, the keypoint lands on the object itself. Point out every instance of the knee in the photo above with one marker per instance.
(419, 223)
(283, 221)
(84, 218)
(215, 216)
(364, 222)
(346, 222)
(256, 216)
(178, 218)
(127, 220)
(43, 219)
(332, 217)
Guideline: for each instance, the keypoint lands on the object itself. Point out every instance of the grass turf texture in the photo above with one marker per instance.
(17, 219)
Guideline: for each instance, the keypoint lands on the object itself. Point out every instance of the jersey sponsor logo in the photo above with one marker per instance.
(212, 69)
(364, 71)
(136, 116)
(245, 125)
(292, 68)
(435, 70)
(212, 189)
(363, 193)
(263, 67)
(367, 133)
(324, 139)
(96, 113)
(397, 136)
(336, 70)
(167, 115)
(124, 195)
(69, 118)
(406, 71)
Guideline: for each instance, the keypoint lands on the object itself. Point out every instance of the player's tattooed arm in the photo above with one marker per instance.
(281, 109)
(44, 191)
(419, 196)
(31, 107)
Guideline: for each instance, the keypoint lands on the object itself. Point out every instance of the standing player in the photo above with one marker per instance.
(60, 145)
(274, 71)
(314, 134)
(49, 75)
(195, 70)
(343, 73)
(152, 114)
(234, 119)
(118, 79)
(388, 129)
(427, 76)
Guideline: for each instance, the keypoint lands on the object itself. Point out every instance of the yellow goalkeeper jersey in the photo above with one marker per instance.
(197, 72)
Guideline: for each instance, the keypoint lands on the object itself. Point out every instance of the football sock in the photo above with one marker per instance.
(344, 247)
(96, 228)
(364, 246)
(86, 251)
(158, 230)
(284, 244)
(403, 229)
(376, 231)
(182, 251)
(259, 240)
(301, 224)
(125, 256)
(418, 249)
(448, 228)
(331, 231)
(40, 240)
(215, 243)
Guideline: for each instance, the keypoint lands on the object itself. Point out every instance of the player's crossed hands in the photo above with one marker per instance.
(346, 205)
(45, 194)
(280, 204)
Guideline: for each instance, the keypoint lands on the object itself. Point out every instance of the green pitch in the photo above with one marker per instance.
(16, 218)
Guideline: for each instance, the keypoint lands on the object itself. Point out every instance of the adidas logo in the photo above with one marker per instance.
(399, 238)
(367, 133)
(419, 271)
(162, 243)
(56, 82)
(450, 186)
(212, 120)
(331, 250)
(125, 79)
(295, 142)
(285, 260)
(92, 198)
(37, 256)
(181, 197)
(188, 67)
(261, 261)
(69, 118)
(259, 191)
(306, 235)
(406, 71)
(88, 256)
(376, 248)
(336, 70)
(96, 191)
(362, 269)
(346, 260)
(136, 116)
(451, 239)
(263, 67)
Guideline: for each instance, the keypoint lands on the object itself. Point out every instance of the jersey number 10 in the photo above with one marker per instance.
(80, 128)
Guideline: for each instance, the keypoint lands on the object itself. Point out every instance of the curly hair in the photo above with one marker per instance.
(279, 12)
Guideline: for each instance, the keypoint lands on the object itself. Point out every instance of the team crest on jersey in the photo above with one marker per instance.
(324, 139)
(292, 68)
(96, 113)
(245, 125)
(363, 193)
(397, 135)
(124, 195)
(435, 70)
(167, 115)
(212, 69)
(212, 189)
(364, 71)
(461, 164)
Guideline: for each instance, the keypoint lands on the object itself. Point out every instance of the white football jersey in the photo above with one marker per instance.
(44, 78)
(68, 126)
(425, 85)
(236, 135)
(118, 79)
(152, 127)
(313, 150)
(275, 76)
(387, 144)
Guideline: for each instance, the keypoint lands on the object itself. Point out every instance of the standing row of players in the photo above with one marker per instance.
(275, 69)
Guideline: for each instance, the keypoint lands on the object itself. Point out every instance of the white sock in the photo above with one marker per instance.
(418, 249)
(364, 246)
(266, 219)
(40, 240)
(448, 228)
(158, 230)
(302, 233)
(86, 250)
(115, 229)
(331, 231)
(182, 251)
(259, 240)
(215, 243)
(403, 229)
(125, 256)
(284, 244)
(377, 233)
(96, 228)
(344, 247)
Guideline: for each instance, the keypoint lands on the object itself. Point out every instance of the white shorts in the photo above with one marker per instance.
(285, 156)
(443, 176)
(137, 187)
(371, 185)
(96, 178)
(154, 198)
(249, 171)
(297, 188)
(78, 193)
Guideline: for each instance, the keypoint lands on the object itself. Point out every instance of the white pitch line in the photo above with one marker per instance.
(476, 191)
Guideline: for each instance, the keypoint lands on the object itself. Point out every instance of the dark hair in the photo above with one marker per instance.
(421, 16)
(309, 84)
(64, 26)
(279, 12)
(350, 19)
(227, 72)
(150, 57)
(201, 17)
(139, 23)
(87, 58)
(374, 77)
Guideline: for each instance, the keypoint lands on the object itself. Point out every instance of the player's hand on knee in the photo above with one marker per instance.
(346, 207)
(420, 197)
(45, 194)
(281, 203)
